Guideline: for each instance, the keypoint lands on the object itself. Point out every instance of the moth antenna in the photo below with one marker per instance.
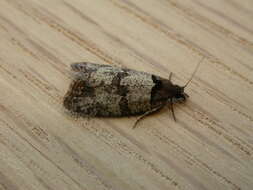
(170, 76)
(194, 72)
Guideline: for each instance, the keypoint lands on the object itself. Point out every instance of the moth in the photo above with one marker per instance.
(109, 91)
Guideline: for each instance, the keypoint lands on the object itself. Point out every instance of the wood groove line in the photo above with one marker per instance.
(222, 98)
(45, 147)
(126, 150)
(180, 39)
(226, 18)
(89, 168)
(75, 37)
(204, 20)
(147, 59)
(217, 129)
(45, 88)
(194, 160)
(43, 155)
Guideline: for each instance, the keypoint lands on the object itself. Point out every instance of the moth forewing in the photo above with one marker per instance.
(109, 91)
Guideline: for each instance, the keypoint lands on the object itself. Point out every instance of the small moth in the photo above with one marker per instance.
(108, 91)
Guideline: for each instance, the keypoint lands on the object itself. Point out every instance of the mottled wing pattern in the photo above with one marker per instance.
(103, 90)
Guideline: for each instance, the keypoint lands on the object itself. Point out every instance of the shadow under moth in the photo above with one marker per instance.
(109, 91)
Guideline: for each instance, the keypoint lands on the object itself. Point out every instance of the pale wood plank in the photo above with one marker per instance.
(43, 147)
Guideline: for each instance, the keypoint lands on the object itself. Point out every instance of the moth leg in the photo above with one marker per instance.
(146, 114)
(172, 110)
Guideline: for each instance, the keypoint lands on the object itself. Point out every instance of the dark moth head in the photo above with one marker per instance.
(178, 94)
(164, 91)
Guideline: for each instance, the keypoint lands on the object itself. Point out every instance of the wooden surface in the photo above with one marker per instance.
(209, 147)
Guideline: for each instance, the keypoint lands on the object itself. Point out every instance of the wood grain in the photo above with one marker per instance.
(209, 147)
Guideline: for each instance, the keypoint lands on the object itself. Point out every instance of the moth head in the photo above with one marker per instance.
(178, 91)
(178, 94)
